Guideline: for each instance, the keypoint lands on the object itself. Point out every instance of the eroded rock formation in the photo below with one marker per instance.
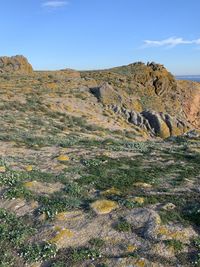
(159, 124)
(15, 64)
(150, 97)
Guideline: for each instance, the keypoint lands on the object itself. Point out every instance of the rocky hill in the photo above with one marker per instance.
(15, 64)
(98, 168)
(172, 106)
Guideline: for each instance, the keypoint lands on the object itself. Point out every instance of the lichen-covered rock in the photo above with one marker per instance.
(29, 168)
(104, 206)
(148, 235)
(15, 64)
(63, 158)
(60, 235)
(177, 232)
(138, 200)
(2, 169)
(111, 191)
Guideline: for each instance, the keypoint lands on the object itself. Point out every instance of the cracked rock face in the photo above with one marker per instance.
(15, 64)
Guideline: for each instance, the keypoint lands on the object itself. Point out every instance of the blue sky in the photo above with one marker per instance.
(88, 34)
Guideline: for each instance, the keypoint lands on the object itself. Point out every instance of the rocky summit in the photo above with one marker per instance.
(98, 168)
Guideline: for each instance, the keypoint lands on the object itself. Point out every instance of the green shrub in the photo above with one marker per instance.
(193, 213)
(122, 226)
(18, 191)
(53, 205)
(176, 244)
(12, 229)
(38, 252)
(10, 178)
(97, 242)
(81, 254)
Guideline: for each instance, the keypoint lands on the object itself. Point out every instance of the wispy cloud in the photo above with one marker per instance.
(170, 42)
(54, 4)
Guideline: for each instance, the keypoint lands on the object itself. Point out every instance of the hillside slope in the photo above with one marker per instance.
(99, 168)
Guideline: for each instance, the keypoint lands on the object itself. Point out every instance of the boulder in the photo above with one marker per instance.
(106, 94)
(157, 123)
(15, 64)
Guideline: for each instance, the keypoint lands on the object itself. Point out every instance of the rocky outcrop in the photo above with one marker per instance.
(152, 75)
(106, 94)
(15, 64)
(163, 81)
(165, 125)
(140, 87)
(158, 124)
